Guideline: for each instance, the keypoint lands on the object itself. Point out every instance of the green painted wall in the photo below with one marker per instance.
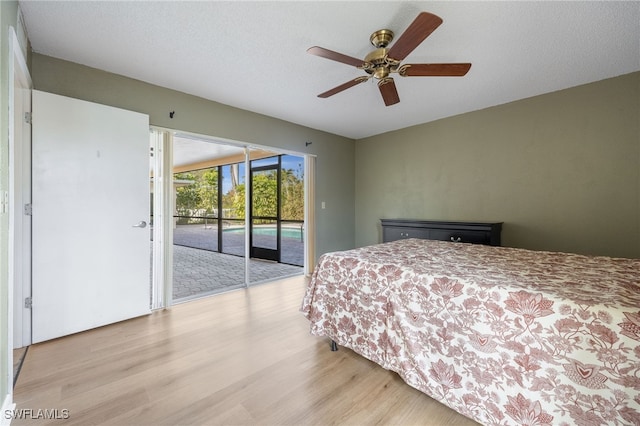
(335, 155)
(561, 170)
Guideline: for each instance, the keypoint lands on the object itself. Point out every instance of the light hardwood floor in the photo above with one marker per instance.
(244, 357)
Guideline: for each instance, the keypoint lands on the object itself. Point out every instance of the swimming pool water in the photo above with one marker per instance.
(271, 231)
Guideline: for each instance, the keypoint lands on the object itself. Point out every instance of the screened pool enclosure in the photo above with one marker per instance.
(210, 209)
(211, 218)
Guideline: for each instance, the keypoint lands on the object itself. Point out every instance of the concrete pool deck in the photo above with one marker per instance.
(199, 270)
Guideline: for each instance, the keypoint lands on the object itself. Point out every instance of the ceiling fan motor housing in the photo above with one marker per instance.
(377, 63)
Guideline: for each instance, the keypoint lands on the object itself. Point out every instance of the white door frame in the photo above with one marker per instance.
(20, 86)
(309, 213)
(18, 239)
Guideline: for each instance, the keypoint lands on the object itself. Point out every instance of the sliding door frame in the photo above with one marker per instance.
(162, 183)
(165, 268)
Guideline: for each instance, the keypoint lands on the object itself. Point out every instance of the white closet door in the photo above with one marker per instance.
(91, 241)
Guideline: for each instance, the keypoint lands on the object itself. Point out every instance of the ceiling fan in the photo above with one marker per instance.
(382, 62)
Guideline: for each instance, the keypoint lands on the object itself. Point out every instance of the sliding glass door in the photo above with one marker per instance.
(265, 209)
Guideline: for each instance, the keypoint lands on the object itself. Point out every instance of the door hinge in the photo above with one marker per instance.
(27, 117)
(28, 209)
(27, 302)
(4, 201)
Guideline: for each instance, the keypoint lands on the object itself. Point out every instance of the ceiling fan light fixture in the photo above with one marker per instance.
(381, 72)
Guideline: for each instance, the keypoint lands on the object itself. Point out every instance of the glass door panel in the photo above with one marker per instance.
(233, 209)
(292, 210)
(209, 219)
(265, 206)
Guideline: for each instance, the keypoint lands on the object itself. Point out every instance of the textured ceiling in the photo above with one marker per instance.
(252, 55)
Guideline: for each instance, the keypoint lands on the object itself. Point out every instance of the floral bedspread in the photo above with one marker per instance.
(501, 335)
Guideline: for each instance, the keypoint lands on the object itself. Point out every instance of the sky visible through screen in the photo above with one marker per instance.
(289, 162)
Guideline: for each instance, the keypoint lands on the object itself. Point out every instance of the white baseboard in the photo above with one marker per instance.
(7, 409)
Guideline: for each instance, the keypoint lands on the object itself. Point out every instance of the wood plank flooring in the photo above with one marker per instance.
(244, 357)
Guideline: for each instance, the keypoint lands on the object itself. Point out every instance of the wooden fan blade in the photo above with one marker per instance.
(434, 70)
(419, 29)
(335, 56)
(342, 87)
(388, 91)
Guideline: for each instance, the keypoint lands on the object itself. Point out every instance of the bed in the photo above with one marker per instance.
(501, 335)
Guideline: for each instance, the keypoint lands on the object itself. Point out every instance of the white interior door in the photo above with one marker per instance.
(91, 248)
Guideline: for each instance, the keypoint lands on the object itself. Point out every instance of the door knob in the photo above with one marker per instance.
(141, 224)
